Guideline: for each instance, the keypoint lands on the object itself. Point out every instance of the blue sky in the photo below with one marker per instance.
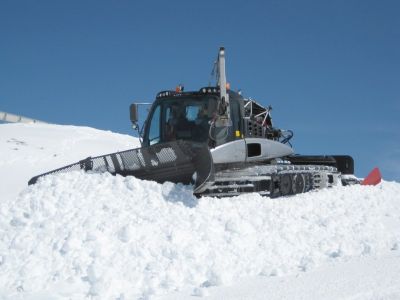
(330, 69)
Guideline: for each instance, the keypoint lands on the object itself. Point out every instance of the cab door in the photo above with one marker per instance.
(152, 134)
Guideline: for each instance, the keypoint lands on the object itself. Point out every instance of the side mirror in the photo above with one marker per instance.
(134, 113)
(134, 116)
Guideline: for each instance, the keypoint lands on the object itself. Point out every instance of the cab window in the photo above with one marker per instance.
(154, 133)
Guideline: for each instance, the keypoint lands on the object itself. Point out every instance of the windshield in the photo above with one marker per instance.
(182, 118)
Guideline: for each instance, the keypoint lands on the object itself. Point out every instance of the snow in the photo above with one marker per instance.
(31, 149)
(78, 235)
(361, 278)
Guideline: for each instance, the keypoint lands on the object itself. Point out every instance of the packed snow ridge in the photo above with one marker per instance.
(112, 237)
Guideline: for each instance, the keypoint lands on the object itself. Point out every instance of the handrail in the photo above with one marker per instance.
(12, 118)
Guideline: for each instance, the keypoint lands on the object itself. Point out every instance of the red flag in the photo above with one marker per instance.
(373, 178)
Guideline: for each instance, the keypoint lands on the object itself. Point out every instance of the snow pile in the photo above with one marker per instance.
(115, 237)
(76, 235)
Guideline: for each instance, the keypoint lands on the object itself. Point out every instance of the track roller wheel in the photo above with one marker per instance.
(285, 184)
(299, 184)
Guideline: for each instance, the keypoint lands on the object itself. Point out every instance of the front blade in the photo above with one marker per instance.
(175, 161)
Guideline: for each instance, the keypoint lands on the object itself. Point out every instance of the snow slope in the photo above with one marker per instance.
(77, 235)
(31, 149)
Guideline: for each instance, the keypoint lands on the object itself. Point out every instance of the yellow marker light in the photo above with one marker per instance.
(237, 133)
